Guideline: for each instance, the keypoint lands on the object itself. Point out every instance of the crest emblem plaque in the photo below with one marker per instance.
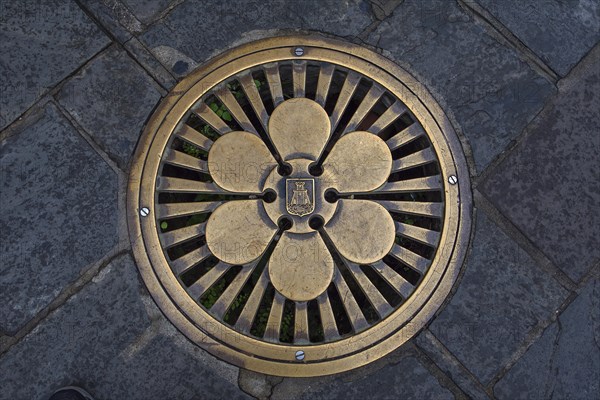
(300, 196)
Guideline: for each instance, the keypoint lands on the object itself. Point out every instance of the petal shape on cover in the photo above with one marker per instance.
(361, 230)
(240, 162)
(301, 267)
(299, 128)
(359, 162)
(239, 231)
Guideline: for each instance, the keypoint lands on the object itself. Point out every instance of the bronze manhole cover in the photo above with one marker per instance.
(299, 206)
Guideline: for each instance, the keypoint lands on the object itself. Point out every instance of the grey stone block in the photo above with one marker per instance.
(489, 90)
(59, 214)
(94, 341)
(111, 99)
(197, 32)
(451, 367)
(548, 186)
(501, 297)
(559, 32)
(407, 380)
(565, 362)
(42, 42)
(148, 11)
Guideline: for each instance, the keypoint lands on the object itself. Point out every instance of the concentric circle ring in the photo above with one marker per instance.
(428, 213)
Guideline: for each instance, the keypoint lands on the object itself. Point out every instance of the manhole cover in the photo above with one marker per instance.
(299, 206)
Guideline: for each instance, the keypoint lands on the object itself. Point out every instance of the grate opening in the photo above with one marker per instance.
(288, 319)
(342, 321)
(326, 254)
(315, 325)
(210, 297)
(403, 270)
(390, 294)
(197, 271)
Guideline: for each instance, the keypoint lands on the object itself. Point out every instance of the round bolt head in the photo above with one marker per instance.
(453, 179)
(144, 211)
(299, 51)
(299, 355)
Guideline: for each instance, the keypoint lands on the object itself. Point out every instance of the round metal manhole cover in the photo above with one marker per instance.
(299, 206)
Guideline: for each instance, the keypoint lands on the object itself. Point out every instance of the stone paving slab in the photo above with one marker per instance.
(41, 43)
(559, 32)
(501, 297)
(549, 185)
(565, 362)
(89, 342)
(148, 11)
(198, 32)
(489, 90)
(111, 98)
(59, 214)
(450, 366)
(404, 377)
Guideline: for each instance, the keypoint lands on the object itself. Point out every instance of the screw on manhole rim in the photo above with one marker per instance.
(452, 179)
(263, 258)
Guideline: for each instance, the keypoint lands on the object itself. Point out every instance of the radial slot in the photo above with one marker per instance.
(192, 258)
(169, 184)
(353, 310)
(327, 317)
(388, 117)
(207, 115)
(402, 286)
(194, 137)
(244, 321)
(299, 78)
(229, 101)
(180, 159)
(177, 236)
(199, 287)
(184, 209)
(374, 94)
(422, 235)
(414, 207)
(403, 137)
(412, 185)
(381, 305)
(229, 295)
(350, 85)
(417, 159)
(274, 322)
(410, 259)
(274, 81)
(301, 323)
(323, 84)
(251, 91)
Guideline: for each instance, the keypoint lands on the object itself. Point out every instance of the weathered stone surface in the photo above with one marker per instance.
(489, 90)
(198, 32)
(41, 43)
(111, 99)
(150, 63)
(111, 17)
(501, 297)
(406, 380)
(434, 349)
(148, 11)
(95, 341)
(549, 186)
(59, 214)
(559, 32)
(565, 362)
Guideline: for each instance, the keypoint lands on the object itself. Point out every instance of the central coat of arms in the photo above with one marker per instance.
(300, 196)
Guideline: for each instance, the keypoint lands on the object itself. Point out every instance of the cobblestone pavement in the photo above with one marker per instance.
(519, 79)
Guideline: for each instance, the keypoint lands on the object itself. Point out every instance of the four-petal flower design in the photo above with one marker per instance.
(301, 265)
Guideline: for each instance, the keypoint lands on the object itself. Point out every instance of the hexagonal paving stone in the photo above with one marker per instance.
(59, 214)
